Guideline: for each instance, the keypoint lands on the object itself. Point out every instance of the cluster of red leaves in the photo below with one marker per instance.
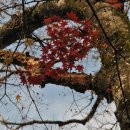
(115, 3)
(68, 43)
(28, 79)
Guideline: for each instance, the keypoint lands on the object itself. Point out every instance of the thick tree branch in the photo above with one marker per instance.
(16, 58)
(79, 82)
(13, 29)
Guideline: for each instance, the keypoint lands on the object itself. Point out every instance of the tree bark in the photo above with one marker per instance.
(115, 62)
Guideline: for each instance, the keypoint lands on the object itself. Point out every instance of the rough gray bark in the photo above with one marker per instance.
(115, 61)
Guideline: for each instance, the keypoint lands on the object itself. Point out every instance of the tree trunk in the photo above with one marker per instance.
(115, 72)
(121, 95)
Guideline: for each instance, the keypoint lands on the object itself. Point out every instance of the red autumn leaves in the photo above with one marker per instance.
(115, 3)
(69, 42)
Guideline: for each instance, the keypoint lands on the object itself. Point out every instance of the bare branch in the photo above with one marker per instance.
(60, 123)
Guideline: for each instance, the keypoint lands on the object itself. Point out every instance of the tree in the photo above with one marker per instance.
(110, 82)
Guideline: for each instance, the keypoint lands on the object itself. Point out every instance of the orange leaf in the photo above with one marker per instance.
(118, 5)
(47, 20)
(18, 97)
